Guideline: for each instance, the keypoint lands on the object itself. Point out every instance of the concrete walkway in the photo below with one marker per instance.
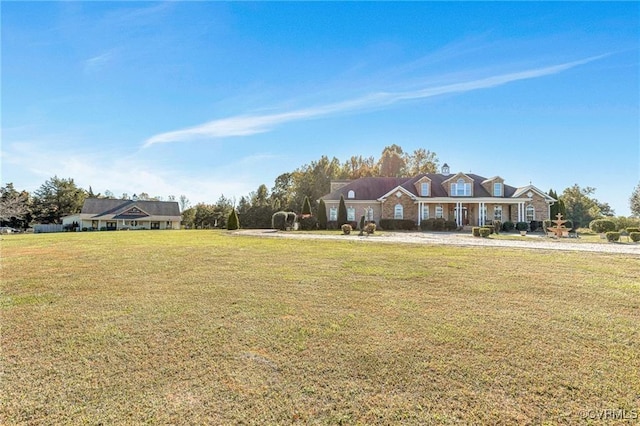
(534, 242)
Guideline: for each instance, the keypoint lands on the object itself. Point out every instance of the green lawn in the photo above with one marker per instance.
(205, 327)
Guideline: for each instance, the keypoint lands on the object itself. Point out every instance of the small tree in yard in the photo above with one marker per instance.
(233, 222)
(306, 206)
(342, 212)
(322, 215)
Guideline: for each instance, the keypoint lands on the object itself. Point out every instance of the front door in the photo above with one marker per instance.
(465, 216)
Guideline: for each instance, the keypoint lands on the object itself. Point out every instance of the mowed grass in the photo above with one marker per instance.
(206, 327)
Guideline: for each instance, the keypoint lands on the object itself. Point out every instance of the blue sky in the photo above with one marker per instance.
(211, 98)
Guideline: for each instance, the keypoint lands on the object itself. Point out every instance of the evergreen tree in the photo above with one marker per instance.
(57, 198)
(306, 206)
(342, 212)
(322, 215)
(233, 222)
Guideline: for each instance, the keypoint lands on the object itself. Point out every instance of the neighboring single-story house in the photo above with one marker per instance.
(467, 198)
(109, 214)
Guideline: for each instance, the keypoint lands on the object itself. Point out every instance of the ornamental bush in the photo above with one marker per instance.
(635, 236)
(427, 224)
(282, 220)
(475, 231)
(233, 222)
(346, 229)
(508, 226)
(370, 228)
(306, 206)
(322, 215)
(522, 226)
(397, 224)
(497, 226)
(485, 232)
(450, 225)
(613, 236)
(308, 223)
(600, 226)
(490, 228)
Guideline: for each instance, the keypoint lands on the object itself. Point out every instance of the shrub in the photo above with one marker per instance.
(485, 232)
(490, 228)
(600, 226)
(282, 220)
(439, 224)
(332, 225)
(427, 225)
(475, 231)
(613, 236)
(308, 223)
(233, 222)
(630, 230)
(361, 224)
(635, 236)
(568, 224)
(346, 229)
(370, 228)
(546, 224)
(508, 226)
(322, 215)
(450, 225)
(497, 226)
(306, 206)
(533, 225)
(342, 212)
(522, 226)
(397, 224)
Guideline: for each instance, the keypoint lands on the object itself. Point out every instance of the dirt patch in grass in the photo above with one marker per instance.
(201, 327)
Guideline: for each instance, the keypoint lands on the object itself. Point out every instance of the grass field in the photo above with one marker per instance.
(205, 327)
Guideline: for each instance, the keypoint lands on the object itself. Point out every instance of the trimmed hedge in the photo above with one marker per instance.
(485, 232)
(439, 224)
(508, 226)
(397, 224)
(630, 230)
(475, 231)
(635, 236)
(522, 226)
(600, 226)
(613, 236)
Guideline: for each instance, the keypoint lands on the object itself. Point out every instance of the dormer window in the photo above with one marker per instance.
(497, 189)
(445, 169)
(461, 188)
(351, 194)
(424, 189)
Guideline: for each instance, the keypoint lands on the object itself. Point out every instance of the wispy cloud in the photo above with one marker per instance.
(98, 62)
(243, 125)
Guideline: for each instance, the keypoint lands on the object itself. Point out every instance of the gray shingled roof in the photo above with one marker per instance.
(372, 188)
(105, 206)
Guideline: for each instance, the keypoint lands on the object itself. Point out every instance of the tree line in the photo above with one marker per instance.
(59, 197)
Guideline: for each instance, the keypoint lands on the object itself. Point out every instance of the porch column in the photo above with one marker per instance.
(520, 212)
(459, 215)
(420, 207)
(480, 216)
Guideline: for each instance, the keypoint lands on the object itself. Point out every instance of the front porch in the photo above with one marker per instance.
(123, 224)
(477, 213)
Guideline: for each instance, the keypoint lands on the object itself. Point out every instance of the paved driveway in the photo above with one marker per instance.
(535, 242)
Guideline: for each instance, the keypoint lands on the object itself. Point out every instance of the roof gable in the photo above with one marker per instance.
(128, 209)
